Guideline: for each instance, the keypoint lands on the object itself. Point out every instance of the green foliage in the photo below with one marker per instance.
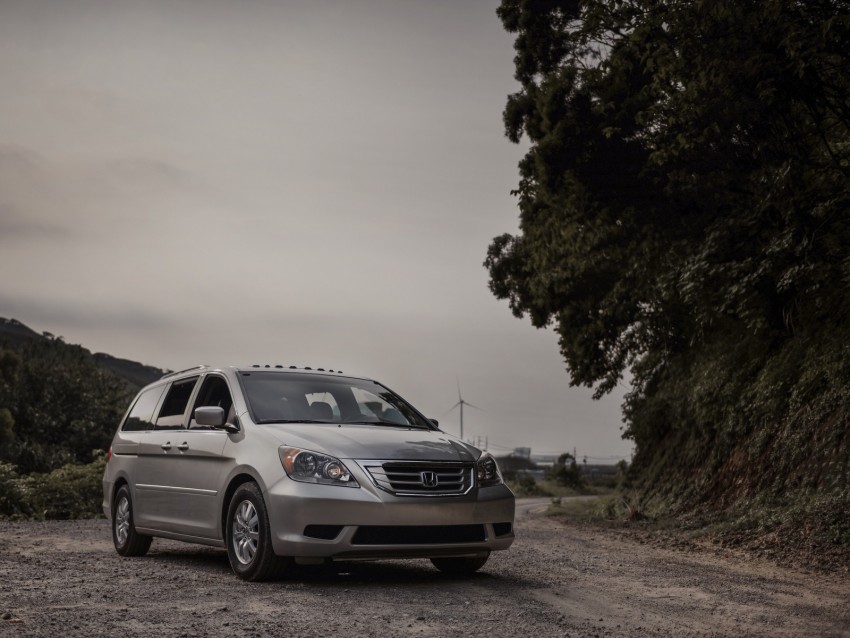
(565, 471)
(688, 165)
(684, 219)
(610, 507)
(7, 433)
(523, 485)
(71, 491)
(56, 406)
(624, 475)
(58, 412)
(13, 501)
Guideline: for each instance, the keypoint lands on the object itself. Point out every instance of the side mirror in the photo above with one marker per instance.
(435, 422)
(213, 417)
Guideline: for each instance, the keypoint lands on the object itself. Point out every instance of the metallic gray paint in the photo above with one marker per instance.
(180, 493)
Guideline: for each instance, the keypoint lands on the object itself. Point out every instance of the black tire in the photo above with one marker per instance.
(249, 539)
(460, 565)
(128, 542)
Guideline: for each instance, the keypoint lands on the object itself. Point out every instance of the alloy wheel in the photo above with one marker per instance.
(122, 520)
(246, 532)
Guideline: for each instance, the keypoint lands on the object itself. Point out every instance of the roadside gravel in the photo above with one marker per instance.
(63, 577)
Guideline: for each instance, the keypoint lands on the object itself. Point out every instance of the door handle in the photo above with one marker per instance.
(166, 446)
(183, 446)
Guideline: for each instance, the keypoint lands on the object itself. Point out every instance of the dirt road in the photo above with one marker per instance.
(63, 578)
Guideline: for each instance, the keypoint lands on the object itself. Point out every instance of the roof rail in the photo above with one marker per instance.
(280, 366)
(171, 374)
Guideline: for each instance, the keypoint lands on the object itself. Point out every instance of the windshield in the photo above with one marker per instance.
(307, 398)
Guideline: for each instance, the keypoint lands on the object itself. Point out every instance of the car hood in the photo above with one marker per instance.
(373, 442)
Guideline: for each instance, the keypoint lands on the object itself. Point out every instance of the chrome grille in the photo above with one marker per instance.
(421, 478)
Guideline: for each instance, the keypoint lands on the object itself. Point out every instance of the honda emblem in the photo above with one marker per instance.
(429, 479)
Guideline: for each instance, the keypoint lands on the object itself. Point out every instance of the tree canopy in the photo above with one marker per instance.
(688, 167)
(57, 406)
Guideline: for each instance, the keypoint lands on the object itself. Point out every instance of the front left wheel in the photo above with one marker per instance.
(249, 545)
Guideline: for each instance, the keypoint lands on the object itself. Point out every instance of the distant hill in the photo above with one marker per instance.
(14, 334)
(136, 374)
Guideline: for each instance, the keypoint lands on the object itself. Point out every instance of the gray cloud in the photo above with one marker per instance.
(14, 226)
(61, 317)
(145, 172)
(15, 158)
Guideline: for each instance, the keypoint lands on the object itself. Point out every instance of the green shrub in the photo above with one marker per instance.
(13, 500)
(523, 484)
(71, 491)
(565, 471)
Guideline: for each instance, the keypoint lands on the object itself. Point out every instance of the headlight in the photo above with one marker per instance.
(313, 467)
(487, 471)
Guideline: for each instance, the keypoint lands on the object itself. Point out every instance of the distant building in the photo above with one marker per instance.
(544, 460)
(537, 475)
(522, 452)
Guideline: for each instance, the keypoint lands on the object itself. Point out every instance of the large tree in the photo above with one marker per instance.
(685, 218)
(688, 167)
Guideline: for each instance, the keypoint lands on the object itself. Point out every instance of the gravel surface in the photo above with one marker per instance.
(558, 579)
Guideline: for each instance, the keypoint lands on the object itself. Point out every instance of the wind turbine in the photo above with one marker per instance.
(461, 403)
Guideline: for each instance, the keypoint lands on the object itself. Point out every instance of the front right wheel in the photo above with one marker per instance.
(460, 565)
(249, 544)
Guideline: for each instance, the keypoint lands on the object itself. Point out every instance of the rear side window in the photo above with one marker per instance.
(174, 407)
(141, 416)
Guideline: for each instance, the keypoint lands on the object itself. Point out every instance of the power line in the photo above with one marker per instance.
(534, 451)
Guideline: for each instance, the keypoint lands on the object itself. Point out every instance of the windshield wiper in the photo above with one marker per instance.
(393, 423)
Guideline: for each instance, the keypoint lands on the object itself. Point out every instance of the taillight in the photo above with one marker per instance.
(109, 454)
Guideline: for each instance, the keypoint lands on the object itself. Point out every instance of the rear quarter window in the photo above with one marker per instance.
(141, 415)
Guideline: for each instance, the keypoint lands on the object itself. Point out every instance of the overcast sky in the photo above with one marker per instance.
(311, 183)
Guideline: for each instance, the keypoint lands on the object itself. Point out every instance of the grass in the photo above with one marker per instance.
(612, 505)
(553, 489)
(587, 510)
(806, 530)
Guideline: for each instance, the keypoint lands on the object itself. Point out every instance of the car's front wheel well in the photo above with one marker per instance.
(235, 482)
(119, 483)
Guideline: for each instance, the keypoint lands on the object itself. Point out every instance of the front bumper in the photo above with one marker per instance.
(293, 506)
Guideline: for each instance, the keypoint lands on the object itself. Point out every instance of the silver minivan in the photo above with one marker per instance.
(280, 464)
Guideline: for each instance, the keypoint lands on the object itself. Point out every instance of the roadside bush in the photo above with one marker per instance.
(523, 484)
(13, 501)
(71, 491)
(565, 471)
